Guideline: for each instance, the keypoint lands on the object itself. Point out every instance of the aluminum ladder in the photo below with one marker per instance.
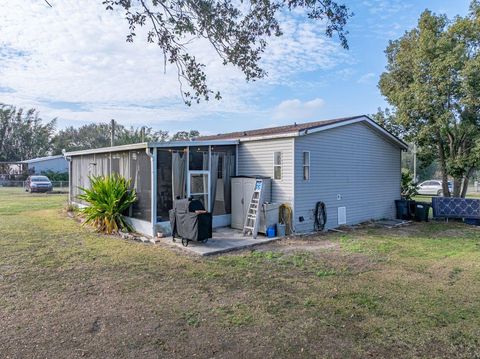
(253, 214)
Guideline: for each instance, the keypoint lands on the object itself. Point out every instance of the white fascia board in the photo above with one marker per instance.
(41, 159)
(269, 137)
(365, 119)
(134, 146)
(193, 143)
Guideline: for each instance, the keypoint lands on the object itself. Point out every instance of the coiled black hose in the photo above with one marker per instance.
(320, 216)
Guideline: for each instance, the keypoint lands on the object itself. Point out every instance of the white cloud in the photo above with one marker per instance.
(76, 53)
(367, 78)
(382, 19)
(298, 110)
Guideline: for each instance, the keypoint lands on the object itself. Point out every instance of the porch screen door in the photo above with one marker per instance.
(198, 186)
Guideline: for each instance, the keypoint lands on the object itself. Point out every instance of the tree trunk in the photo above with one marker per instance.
(465, 181)
(443, 166)
(457, 186)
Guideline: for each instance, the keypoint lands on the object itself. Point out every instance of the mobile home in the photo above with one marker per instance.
(352, 165)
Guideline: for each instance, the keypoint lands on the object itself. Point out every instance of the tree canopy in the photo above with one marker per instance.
(238, 32)
(432, 81)
(185, 135)
(24, 135)
(97, 135)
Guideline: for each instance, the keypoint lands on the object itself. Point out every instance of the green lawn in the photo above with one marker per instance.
(66, 292)
(428, 198)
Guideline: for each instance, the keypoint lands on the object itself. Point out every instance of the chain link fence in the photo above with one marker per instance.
(56, 184)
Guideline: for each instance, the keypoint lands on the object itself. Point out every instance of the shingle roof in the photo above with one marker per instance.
(269, 131)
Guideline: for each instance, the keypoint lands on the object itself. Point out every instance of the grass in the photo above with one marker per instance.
(66, 291)
(428, 198)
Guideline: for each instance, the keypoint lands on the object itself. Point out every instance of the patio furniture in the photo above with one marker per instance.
(190, 221)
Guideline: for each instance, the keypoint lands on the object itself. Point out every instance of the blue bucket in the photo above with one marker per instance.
(271, 232)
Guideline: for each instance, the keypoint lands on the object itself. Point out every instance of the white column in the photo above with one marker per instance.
(154, 190)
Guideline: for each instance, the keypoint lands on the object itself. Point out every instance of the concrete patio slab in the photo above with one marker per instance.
(224, 240)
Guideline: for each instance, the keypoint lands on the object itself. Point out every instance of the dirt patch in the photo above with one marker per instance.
(323, 253)
(301, 244)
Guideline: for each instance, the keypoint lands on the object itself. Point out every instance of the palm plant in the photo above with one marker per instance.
(108, 198)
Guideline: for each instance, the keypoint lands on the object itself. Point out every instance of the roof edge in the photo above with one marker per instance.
(270, 137)
(133, 146)
(363, 118)
(45, 158)
(194, 143)
(144, 145)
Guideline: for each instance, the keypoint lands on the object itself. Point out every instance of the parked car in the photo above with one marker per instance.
(433, 187)
(38, 184)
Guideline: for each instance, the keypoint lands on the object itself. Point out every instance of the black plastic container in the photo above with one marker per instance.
(422, 210)
(403, 210)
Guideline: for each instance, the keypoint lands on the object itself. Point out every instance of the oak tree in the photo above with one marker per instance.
(238, 31)
(432, 81)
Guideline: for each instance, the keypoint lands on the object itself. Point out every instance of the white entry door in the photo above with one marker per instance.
(198, 185)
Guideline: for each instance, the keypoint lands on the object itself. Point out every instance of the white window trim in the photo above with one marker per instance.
(199, 172)
(304, 165)
(280, 165)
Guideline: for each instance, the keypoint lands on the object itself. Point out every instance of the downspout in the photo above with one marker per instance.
(294, 174)
(153, 190)
(210, 205)
(236, 159)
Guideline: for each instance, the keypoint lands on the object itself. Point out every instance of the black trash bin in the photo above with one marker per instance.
(411, 208)
(403, 209)
(422, 210)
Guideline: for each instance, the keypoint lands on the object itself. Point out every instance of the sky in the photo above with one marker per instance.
(71, 62)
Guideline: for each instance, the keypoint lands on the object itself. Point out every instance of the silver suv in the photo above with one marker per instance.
(433, 188)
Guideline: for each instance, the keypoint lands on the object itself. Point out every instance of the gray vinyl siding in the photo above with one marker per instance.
(256, 158)
(353, 161)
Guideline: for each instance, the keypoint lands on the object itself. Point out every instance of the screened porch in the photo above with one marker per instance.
(199, 171)
(160, 173)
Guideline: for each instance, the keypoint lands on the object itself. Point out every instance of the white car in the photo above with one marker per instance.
(432, 187)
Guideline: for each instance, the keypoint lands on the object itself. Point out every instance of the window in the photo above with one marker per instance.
(198, 186)
(198, 158)
(306, 165)
(277, 165)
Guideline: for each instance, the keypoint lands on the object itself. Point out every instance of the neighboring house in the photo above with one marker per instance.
(351, 164)
(12, 171)
(39, 165)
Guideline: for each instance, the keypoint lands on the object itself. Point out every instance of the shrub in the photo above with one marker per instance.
(70, 207)
(56, 176)
(408, 186)
(108, 198)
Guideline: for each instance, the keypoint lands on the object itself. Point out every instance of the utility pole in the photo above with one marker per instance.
(142, 134)
(112, 131)
(415, 162)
